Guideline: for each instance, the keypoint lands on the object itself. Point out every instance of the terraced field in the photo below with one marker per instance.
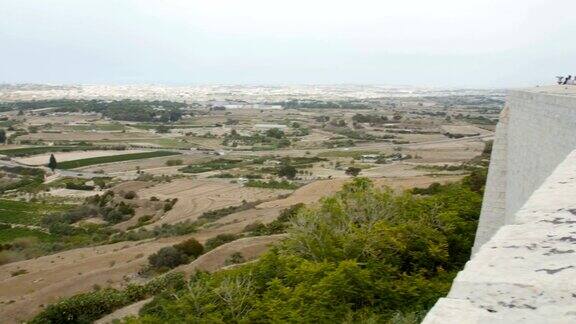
(198, 196)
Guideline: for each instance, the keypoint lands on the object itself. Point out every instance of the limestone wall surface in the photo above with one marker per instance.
(526, 272)
(523, 269)
(536, 132)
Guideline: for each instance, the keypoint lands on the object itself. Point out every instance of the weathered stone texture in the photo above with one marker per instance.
(536, 132)
(525, 272)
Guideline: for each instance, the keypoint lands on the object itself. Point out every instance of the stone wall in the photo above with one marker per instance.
(526, 272)
(523, 268)
(536, 132)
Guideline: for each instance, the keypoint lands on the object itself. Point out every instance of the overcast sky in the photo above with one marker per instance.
(462, 43)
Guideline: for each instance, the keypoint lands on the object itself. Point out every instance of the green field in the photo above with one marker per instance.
(97, 127)
(115, 158)
(7, 235)
(25, 151)
(27, 213)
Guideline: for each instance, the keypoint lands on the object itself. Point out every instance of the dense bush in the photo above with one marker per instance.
(83, 308)
(353, 171)
(87, 307)
(174, 162)
(78, 186)
(167, 257)
(191, 247)
(287, 171)
(130, 195)
(216, 214)
(278, 225)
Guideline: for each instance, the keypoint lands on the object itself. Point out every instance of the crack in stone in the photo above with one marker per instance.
(567, 239)
(525, 306)
(559, 220)
(554, 271)
(556, 251)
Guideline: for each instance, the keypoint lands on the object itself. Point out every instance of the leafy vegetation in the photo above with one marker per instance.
(87, 307)
(353, 171)
(217, 164)
(218, 240)
(363, 255)
(172, 256)
(174, 162)
(128, 110)
(113, 158)
(275, 138)
(372, 119)
(8, 234)
(272, 184)
(24, 179)
(216, 214)
(26, 212)
(277, 226)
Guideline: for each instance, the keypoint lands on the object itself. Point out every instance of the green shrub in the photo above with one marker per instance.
(272, 184)
(191, 247)
(130, 195)
(76, 186)
(363, 255)
(287, 171)
(353, 171)
(83, 308)
(88, 307)
(167, 257)
(216, 214)
(218, 240)
(235, 258)
(169, 204)
(174, 162)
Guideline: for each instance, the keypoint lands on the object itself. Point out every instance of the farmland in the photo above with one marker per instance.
(26, 213)
(135, 179)
(115, 158)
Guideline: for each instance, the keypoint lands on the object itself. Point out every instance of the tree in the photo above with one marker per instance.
(52, 164)
(353, 171)
(275, 133)
(190, 247)
(287, 171)
(162, 129)
(130, 195)
(169, 257)
(2, 136)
